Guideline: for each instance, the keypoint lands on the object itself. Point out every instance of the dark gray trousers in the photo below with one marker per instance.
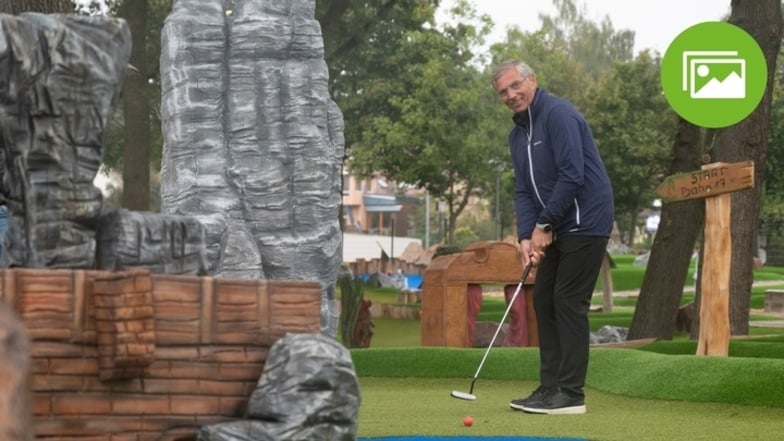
(565, 280)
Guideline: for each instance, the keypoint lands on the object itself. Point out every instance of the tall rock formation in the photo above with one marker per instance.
(253, 144)
(60, 77)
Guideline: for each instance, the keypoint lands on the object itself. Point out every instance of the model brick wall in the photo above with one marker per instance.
(135, 356)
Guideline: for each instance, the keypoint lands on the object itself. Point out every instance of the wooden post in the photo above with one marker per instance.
(714, 337)
(714, 183)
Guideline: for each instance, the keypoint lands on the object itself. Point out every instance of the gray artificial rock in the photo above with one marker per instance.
(253, 144)
(484, 332)
(60, 77)
(609, 334)
(161, 243)
(308, 391)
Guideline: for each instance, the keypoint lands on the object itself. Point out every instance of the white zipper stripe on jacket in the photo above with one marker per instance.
(577, 214)
(530, 135)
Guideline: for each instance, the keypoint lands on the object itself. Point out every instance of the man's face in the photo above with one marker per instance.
(514, 90)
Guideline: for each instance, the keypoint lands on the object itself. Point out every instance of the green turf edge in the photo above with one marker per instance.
(628, 372)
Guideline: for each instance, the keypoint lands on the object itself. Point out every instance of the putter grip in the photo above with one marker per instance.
(526, 271)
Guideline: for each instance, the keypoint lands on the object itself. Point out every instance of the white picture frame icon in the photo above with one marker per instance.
(698, 64)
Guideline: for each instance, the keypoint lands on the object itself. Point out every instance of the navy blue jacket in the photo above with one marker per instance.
(559, 176)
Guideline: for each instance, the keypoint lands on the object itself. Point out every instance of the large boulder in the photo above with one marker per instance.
(308, 391)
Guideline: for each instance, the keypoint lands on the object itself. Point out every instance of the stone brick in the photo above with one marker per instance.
(73, 366)
(53, 382)
(119, 310)
(186, 369)
(42, 404)
(130, 404)
(195, 405)
(239, 371)
(81, 404)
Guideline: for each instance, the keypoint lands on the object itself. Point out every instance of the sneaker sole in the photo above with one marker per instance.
(517, 406)
(572, 410)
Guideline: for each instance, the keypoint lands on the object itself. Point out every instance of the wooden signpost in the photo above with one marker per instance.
(714, 179)
(714, 182)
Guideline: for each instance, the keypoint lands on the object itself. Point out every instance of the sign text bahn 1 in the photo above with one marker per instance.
(714, 182)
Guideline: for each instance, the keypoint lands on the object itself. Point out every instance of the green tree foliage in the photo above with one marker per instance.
(634, 127)
(594, 46)
(369, 54)
(446, 136)
(569, 51)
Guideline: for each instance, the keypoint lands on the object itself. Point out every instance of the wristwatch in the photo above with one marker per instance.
(545, 227)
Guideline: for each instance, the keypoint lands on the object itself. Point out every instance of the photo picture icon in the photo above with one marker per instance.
(714, 74)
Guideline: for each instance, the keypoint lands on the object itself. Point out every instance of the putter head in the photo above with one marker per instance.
(463, 395)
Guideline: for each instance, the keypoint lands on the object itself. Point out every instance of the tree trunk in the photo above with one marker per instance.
(16, 7)
(136, 145)
(749, 140)
(673, 245)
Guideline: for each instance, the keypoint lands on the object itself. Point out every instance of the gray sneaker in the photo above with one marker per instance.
(559, 403)
(540, 394)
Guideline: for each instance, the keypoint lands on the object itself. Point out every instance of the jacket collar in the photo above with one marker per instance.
(521, 118)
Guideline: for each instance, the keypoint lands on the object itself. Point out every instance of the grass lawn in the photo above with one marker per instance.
(657, 392)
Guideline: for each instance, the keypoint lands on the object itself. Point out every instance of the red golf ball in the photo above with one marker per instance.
(468, 420)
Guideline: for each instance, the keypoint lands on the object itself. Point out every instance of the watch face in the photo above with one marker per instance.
(544, 227)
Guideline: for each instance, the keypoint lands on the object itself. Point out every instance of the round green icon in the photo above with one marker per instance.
(714, 74)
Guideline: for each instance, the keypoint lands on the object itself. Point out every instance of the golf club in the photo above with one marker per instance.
(470, 394)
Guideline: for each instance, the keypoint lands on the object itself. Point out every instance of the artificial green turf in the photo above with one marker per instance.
(658, 392)
(422, 406)
(769, 347)
(631, 395)
(629, 372)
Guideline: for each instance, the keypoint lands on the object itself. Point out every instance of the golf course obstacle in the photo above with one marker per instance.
(148, 356)
(447, 315)
(714, 183)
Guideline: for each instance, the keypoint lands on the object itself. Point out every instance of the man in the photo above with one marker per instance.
(564, 208)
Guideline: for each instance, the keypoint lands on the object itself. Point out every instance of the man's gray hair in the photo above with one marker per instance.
(523, 69)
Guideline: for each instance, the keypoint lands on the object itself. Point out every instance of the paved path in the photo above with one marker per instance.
(690, 289)
(766, 323)
(686, 289)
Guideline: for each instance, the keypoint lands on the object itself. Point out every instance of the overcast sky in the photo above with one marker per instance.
(655, 22)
